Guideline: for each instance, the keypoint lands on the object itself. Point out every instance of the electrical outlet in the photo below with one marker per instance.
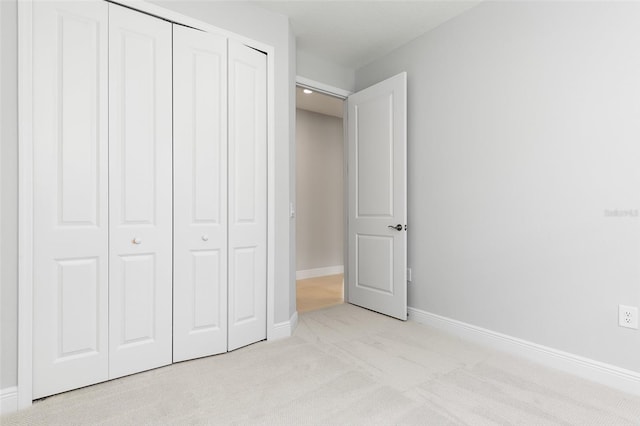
(628, 316)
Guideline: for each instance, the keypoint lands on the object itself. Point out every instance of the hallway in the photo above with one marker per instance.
(319, 293)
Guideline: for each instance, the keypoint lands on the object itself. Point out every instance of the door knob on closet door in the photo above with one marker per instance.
(397, 227)
(136, 240)
(205, 237)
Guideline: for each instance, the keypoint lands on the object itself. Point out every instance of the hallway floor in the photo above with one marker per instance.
(318, 293)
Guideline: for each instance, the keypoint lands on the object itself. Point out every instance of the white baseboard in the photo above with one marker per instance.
(8, 400)
(319, 272)
(285, 329)
(606, 374)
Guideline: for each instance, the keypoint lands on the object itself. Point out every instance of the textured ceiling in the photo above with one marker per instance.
(354, 33)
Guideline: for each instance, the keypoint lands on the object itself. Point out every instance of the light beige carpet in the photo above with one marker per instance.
(345, 365)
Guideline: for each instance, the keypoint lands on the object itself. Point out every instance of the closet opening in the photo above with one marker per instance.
(320, 223)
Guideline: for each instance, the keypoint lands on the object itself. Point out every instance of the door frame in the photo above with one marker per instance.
(343, 94)
(25, 175)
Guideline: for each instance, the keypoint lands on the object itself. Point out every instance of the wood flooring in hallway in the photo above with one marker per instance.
(319, 293)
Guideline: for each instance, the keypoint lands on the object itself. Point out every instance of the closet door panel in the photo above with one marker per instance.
(70, 288)
(200, 200)
(140, 197)
(247, 195)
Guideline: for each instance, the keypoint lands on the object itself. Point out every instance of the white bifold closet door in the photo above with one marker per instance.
(200, 194)
(247, 195)
(104, 244)
(70, 209)
(140, 192)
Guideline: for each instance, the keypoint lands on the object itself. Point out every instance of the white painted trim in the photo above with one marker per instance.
(285, 329)
(271, 190)
(345, 200)
(321, 87)
(25, 203)
(319, 272)
(600, 372)
(2, 54)
(8, 400)
(25, 172)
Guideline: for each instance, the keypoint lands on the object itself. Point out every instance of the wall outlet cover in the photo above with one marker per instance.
(628, 316)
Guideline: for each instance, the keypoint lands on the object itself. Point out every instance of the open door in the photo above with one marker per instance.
(377, 185)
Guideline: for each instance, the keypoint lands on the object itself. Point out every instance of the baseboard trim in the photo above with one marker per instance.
(285, 329)
(319, 272)
(600, 372)
(8, 400)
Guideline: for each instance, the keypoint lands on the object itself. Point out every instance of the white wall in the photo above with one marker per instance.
(273, 29)
(8, 195)
(319, 177)
(322, 71)
(523, 129)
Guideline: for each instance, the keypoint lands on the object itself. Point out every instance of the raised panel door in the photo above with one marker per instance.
(247, 195)
(377, 146)
(140, 196)
(70, 270)
(200, 200)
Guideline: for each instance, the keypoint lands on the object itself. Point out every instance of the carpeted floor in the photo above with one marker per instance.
(344, 365)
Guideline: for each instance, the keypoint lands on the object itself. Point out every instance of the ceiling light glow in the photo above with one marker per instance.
(307, 91)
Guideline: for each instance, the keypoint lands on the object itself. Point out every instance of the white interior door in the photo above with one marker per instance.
(247, 195)
(377, 138)
(200, 194)
(70, 272)
(140, 193)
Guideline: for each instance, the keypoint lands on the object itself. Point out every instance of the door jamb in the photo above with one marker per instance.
(322, 87)
(25, 204)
